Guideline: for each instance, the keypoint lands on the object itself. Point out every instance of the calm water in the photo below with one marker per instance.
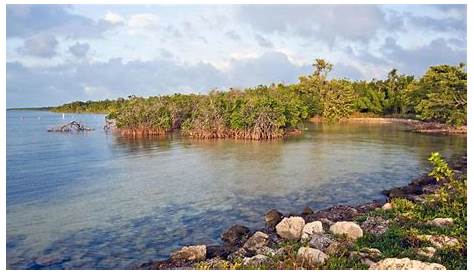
(95, 201)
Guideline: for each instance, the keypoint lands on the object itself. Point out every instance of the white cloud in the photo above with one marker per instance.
(315, 22)
(97, 92)
(100, 80)
(143, 21)
(113, 18)
(239, 55)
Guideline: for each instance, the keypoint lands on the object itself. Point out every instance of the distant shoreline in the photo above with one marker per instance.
(32, 108)
(416, 125)
(413, 124)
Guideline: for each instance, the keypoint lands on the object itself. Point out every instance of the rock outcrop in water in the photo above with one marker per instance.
(73, 126)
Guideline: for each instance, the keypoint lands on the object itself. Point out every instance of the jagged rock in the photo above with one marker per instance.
(235, 235)
(239, 253)
(367, 207)
(312, 228)
(367, 261)
(441, 222)
(387, 206)
(362, 257)
(190, 253)
(414, 189)
(258, 240)
(375, 225)
(405, 264)
(167, 264)
(339, 248)
(281, 252)
(265, 251)
(428, 252)
(366, 255)
(290, 228)
(439, 241)
(320, 241)
(334, 214)
(273, 238)
(216, 263)
(326, 223)
(372, 253)
(307, 211)
(430, 189)
(311, 256)
(216, 251)
(272, 218)
(349, 229)
(256, 260)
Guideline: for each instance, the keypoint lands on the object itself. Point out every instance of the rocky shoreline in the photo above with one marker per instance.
(318, 235)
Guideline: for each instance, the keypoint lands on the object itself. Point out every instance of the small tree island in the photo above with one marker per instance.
(277, 110)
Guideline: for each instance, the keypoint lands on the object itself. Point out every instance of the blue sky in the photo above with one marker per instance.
(62, 53)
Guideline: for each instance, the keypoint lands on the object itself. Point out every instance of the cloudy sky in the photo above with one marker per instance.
(57, 54)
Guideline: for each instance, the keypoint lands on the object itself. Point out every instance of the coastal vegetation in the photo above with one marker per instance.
(272, 111)
(103, 106)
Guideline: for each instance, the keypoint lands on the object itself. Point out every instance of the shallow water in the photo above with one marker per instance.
(98, 201)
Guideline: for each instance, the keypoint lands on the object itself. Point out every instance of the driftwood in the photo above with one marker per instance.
(70, 127)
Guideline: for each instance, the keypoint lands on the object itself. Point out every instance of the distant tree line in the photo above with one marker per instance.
(266, 112)
(103, 106)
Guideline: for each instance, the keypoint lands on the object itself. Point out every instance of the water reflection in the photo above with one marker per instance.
(141, 145)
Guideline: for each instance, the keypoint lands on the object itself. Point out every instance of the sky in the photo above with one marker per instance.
(62, 53)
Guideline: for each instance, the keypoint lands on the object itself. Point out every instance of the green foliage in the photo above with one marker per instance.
(408, 219)
(395, 92)
(370, 99)
(333, 100)
(440, 167)
(264, 112)
(384, 96)
(267, 112)
(443, 91)
(440, 95)
(453, 259)
(337, 99)
(343, 263)
(105, 106)
(393, 243)
(139, 113)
